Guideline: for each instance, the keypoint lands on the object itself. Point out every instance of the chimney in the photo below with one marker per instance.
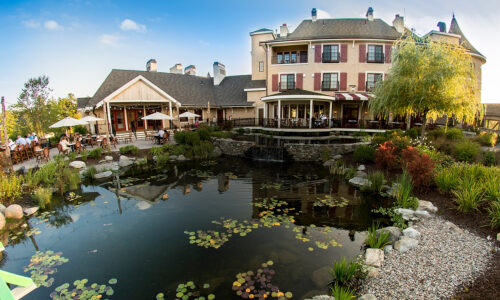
(442, 26)
(219, 72)
(314, 14)
(190, 70)
(176, 69)
(283, 30)
(151, 65)
(369, 14)
(399, 24)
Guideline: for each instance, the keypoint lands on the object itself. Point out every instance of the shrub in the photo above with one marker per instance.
(180, 137)
(446, 180)
(376, 239)
(364, 154)
(488, 139)
(491, 186)
(155, 151)
(89, 173)
(443, 145)
(84, 155)
(343, 272)
(403, 192)
(162, 159)
(350, 172)
(203, 150)
(466, 150)
(72, 156)
(43, 196)
(494, 213)
(377, 180)
(10, 188)
(221, 134)
(342, 293)
(412, 133)
(385, 155)
(326, 153)
(80, 129)
(419, 166)
(439, 158)
(436, 133)
(400, 143)
(228, 125)
(489, 158)
(204, 134)
(129, 149)
(192, 138)
(468, 195)
(454, 134)
(379, 140)
(95, 153)
(179, 150)
(240, 130)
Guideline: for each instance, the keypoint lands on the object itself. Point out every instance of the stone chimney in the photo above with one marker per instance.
(369, 14)
(314, 14)
(176, 69)
(283, 30)
(399, 23)
(190, 70)
(442, 26)
(219, 72)
(151, 65)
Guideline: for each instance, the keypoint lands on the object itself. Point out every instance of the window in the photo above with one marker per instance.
(280, 58)
(286, 59)
(375, 53)
(120, 124)
(331, 53)
(287, 82)
(330, 82)
(294, 57)
(371, 80)
(261, 66)
(200, 113)
(303, 57)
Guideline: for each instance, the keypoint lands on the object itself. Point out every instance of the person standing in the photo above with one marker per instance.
(132, 127)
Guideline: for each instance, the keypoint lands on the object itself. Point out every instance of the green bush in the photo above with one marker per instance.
(454, 134)
(379, 140)
(343, 272)
(436, 133)
(494, 213)
(155, 151)
(446, 180)
(364, 154)
(342, 293)
(89, 173)
(129, 149)
(222, 134)
(162, 159)
(72, 156)
(376, 239)
(80, 129)
(179, 150)
(10, 188)
(468, 195)
(326, 153)
(377, 180)
(489, 158)
(403, 192)
(204, 134)
(412, 133)
(491, 186)
(84, 154)
(180, 137)
(466, 151)
(192, 138)
(95, 153)
(203, 150)
(43, 196)
(487, 139)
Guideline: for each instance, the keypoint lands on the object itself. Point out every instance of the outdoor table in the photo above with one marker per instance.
(72, 145)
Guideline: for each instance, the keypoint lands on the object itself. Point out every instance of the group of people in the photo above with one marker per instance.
(26, 140)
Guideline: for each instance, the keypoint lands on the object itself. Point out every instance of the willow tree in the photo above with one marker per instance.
(430, 79)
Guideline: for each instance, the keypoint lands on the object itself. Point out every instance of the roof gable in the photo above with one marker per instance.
(455, 29)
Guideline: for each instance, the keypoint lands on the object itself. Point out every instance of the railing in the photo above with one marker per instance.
(25, 286)
(329, 85)
(378, 58)
(280, 60)
(327, 57)
(285, 86)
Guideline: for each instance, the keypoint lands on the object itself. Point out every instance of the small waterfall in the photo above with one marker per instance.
(276, 154)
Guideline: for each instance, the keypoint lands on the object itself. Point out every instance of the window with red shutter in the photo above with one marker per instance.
(343, 53)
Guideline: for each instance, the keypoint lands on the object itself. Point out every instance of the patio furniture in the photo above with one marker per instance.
(38, 151)
(46, 154)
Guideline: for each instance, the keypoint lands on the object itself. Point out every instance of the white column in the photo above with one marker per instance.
(109, 116)
(144, 114)
(170, 112)
(310, 113)
(279, 113)
(264, 122)
(125, 117)
(330, 115)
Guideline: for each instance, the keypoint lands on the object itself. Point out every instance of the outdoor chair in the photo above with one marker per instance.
(164, 138)
(113, 141)
(60, 149)
(16, 155)
(46, 154)
(79, 147)
(38, 153)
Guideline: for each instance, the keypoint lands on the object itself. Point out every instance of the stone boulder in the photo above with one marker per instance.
(217, 152)
(105, 166)
(322, 297)
(2, 208)
(453, 228)
(76, 164)
(405, 244)
(422, 214)
(361, 168)
(360, 182)
(411, 233)
(173, 157)
(374, 257)
(14, 211)
(427, 205)
(368, 297)
(361, 174)
(329, 163)
(31, 210)
(388, 249)
(103, 175)
(394, 233)
(181, 158)
(407, 214)
(108, 158)
(372, 271)
(2, 221)
(125, 161)
(337, 157)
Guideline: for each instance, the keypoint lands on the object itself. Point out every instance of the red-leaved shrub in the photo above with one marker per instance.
(385, 156)
(419, 165)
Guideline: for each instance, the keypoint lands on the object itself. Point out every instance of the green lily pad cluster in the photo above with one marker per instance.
(321, 243)
(329, 201)
(72, 196)
(257, 284)
(33, 231)
(43, 264)
(83, 292)
(200, 173)
(275, 186)
(208, 163)
(207, 238)
(189, 290)
(236, 227)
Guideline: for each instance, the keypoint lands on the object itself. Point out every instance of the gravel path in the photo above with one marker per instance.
(441, 262)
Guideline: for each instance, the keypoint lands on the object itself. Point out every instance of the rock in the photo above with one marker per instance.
(217, 152)
(2, 221)
(173, 157)
(14, 211)
(337, 157)
(125, 162)
(361, 168)
(374, 257)
(2, 208)
(31, 210)
(103, 175)
(498, 236)
(394, 233)
(426, 205)
(407, 214)
(143, 205)
(181, 157)
(165, 196)
(102, 161)
(372, 271)
(388, 249)
(360, 181)
(322, 297)
(77, 164)
(368, 297)
(453, 228)
(423, 214)
(405, 244)
(411, 233)
(321, 277)
(393, 189)
(329, 163)
(361, 174)
(108, 158)
(105, 166)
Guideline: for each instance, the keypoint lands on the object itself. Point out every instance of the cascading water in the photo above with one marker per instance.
(277, 154)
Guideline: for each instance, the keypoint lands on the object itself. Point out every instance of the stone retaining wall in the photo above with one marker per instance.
(232, 147)
(312, 152)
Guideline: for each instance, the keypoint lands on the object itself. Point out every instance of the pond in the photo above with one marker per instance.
(293, 217)
(279, 141)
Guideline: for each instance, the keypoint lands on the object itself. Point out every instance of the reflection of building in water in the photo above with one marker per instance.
(186, 189)
(223, 182)
(198, 186)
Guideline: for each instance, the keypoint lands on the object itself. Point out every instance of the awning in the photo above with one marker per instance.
(352, 96)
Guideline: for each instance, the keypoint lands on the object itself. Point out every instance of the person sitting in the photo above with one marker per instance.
(159, 136)
(64, 146)
(29, 138)
(35, 138)
(20, 140)
(12, 145)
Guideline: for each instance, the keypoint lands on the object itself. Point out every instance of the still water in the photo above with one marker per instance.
(135, 235)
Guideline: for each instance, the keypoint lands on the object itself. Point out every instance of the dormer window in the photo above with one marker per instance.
(331, 54)
(375, 54)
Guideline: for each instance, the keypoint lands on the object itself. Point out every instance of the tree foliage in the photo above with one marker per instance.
(428, 78)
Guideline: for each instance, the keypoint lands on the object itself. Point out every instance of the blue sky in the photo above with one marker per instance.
(77, 42)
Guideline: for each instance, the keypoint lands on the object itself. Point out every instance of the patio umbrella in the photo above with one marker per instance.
(157, 116)
(89, 119)
(188, 115)
(67, 122)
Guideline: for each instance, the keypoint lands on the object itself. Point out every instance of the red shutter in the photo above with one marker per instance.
(300, 78)
(362, 53)
(343, 53)
(361, 82)
(388, 49)
(343, 81)
(317, 81)
(317, 53)
(275, 83)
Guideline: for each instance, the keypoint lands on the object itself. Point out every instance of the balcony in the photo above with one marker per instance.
(329, 57)
(286, 86)
(300, 58)
(329, 86)
(378, 58)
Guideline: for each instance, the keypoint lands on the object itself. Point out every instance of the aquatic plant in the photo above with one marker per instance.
(377, 179)
(342, 293)
(129, 149)
(344, 271)
(396, 219)
(187, 290)
(203, 149)
(207, 238)
(376, 239)
(235, 227)
(364, 154)
(82, 292)
(43, 196)
(330, 201)
(89, 173)
(321, 241)
(162, 159)
(403, 192)
(84, 154)
(10, 188)
(155, 151)
(276, 186)
(95, 153)
(43, 264)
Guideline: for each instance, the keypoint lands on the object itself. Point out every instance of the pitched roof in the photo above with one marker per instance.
(189, 90)
(82, 102)
(297, 92)
(262, 30)
(256, 84)
(455, 29)
(343, 29)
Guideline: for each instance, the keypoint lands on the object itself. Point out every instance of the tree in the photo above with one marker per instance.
(430, 79)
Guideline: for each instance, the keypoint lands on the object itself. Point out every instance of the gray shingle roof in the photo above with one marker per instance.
(455, 29)
(343, 29)
(189, 90)
(297, 92)
(82, 102)
(256, 84)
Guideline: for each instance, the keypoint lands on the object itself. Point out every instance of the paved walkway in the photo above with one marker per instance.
(31, 163)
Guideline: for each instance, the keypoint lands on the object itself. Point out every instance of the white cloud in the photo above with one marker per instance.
(110, 39)
(322, 14)
(31, 24)
(52, 25)
(204, 43)
(128, 25)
